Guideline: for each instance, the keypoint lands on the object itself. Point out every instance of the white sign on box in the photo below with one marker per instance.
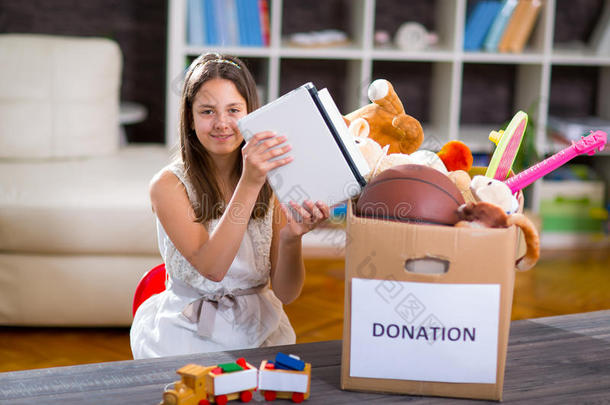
(424, 331)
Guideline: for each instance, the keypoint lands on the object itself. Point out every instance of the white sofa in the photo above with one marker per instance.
(76, 228)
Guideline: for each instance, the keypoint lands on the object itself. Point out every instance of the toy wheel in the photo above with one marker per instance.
(221, 399)
(270, 395)
(298, 397)
(245, 396)
(204, 402)
(169, 398)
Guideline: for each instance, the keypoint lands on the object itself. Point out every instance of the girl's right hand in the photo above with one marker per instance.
(257, 156)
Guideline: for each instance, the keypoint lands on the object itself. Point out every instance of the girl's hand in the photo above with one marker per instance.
(257, 155)
(311, 216)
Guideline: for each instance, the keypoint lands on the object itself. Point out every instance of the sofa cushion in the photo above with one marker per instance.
(79, 290)
(59, 96)
(81, 206)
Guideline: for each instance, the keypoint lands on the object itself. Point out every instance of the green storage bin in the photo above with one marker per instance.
(573, 206)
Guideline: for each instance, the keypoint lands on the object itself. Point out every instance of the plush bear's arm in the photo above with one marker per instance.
(382, 93)
(413, 132)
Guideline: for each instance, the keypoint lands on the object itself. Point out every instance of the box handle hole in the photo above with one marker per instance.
(427, 265)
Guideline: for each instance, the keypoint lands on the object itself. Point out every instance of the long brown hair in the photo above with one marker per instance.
(199, 167)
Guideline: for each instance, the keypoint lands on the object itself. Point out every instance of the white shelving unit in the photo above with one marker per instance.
(533, 68)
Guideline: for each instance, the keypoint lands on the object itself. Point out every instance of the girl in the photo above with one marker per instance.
(222, 234)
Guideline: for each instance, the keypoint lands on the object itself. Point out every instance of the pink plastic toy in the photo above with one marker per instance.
(587, 144)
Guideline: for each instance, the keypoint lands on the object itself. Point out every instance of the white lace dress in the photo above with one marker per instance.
(195, 315)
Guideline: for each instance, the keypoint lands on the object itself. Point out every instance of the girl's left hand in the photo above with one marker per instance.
(311, 216)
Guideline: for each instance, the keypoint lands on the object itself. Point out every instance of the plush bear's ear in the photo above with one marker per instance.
(359, 128)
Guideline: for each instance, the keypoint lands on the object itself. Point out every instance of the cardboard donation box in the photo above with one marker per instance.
(427, 308)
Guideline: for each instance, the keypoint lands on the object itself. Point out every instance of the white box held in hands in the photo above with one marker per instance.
(327, 165)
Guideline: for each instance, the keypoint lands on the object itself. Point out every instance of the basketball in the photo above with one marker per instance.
(411, 193)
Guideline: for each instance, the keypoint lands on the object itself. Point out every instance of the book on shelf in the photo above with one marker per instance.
(492, 39)
(265, 21)
(230, 15)
(327, 165)
(520, 26)
(211, 30)
(600, 37)
(228, 22)
(221, 22)
(478, 23)
(254, 22)
(240, 9)
(195, 30)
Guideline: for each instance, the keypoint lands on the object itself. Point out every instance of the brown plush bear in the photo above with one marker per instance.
(387, 121)
(483, 214)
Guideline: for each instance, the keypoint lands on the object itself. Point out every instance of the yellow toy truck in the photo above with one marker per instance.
(218, 384)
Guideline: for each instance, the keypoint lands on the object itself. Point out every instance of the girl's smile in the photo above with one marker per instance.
(221, 137)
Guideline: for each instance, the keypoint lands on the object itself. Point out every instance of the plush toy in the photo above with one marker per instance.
(487, 215)
(393, 159)
(430, 159)
(482, 214)
(371, 150)
(494, 191)
(456, 156)
(388, 123)
(462, 181)
(378, 158)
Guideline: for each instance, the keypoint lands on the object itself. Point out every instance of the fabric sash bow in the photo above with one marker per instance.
(202, 311)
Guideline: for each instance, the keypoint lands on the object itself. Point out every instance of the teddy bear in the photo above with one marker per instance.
(494, 191)
(388, 137)
(370, 150)
(484, 214)
(378, 158)
(388, 124)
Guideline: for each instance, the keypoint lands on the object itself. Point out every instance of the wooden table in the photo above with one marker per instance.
(557, 360)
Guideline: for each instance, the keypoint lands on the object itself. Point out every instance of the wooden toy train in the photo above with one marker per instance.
(287, 377)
